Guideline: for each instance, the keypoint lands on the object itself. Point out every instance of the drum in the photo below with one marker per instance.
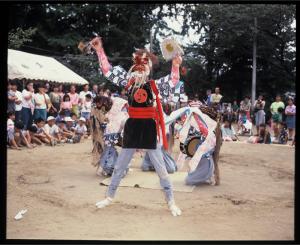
(191, 145)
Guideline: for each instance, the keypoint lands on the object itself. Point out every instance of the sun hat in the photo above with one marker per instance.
(68, 119)
(82, 119)
(50, 118)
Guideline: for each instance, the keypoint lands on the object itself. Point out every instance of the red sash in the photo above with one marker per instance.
(151, 112)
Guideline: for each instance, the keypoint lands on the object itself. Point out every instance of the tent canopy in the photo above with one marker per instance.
(38, 67)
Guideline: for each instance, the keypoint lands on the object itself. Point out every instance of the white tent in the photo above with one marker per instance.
(38, 67)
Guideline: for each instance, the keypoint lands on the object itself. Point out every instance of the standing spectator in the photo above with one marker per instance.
(66, 105)
(259, 106)
(208, 99)
(47, 88)
(27, 105)
(290, 112)
(123, 94)
(195, 102)
(82, 95)
(11, 97)
(18, 101)
(235, 110)
(101, 91)
(55, 101)
(94, 91)
(74, 98)
(86, 110)
(61, 91)
(42, 103)
(215, 99)
(245, 106)
(276, 109)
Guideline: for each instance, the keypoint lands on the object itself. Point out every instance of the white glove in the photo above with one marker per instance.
(104, 202)
(174, 209)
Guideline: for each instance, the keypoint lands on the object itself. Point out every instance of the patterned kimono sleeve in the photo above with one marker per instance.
(115, 74)
(166, 85)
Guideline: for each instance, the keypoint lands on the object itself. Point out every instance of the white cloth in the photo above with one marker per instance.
(54, 129)
(80, 129)
(82, 95)
(86, 106)
(10, 124)
(18, 107)
(27, 103)
(42, 99)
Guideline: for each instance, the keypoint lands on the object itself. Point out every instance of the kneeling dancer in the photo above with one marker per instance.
(145, 121)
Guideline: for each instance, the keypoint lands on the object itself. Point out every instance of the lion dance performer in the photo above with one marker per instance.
(145, 127)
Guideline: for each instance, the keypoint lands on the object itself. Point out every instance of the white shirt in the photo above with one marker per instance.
(26, 103)
(51, 130)
(86, 106)
(80, 129)
(40, 99)
(18, 107)
(10, 124)
(82, 95)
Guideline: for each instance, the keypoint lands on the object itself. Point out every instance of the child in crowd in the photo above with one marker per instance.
(65, 134)
(86, 110)
(52, 129)
(81, 129)
(21, 136)
(11, 131)
(70, 124)
(283, 133)
(61, 116)
(33, 131)
(74, 118)
(66, 105)
(41, 134)
(264, 136)
(228, 132)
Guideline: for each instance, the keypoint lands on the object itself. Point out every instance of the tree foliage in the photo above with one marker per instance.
(222, 56)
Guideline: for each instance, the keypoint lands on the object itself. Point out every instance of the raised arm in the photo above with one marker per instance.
(115, 74)
(167, 83)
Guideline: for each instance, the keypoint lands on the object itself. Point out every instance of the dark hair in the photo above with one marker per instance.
(41, 85)
(19, 125)
(262, 125)
(104, 101)
(32, 128)
(38, 120)
(73, 114)
(13, 83)
(10, 113)
(226, 119)
(88, 96)
(62, 113)
(28, 83)
(66, 96)
(62, 121)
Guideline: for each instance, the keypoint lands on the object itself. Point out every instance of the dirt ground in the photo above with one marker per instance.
(59, 187)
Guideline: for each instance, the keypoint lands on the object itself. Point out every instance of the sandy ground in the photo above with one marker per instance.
(59, 187)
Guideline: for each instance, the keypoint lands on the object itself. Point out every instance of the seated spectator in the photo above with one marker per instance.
(66, 134)
(33, 132)
(283, 134)
(52, 129)
(228, 132)
(41, 134)
(264, 136)
(81, 129)
(11, 131)
(75, 119)
(21, 136)
(70, 124)
(61, 116)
